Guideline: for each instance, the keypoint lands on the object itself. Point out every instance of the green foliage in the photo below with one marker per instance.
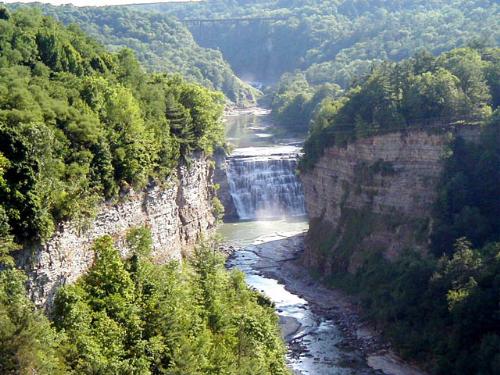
(134, 316)
(218, 208)
(140, 242)
(442, 313)
(161, 43)
(4, 13)
(468, 202)
(28, 343)
(423, 91)
(442, 309)
(331, 41)
(295, 111)
(137, 317)
(7, 243)
(79, 124)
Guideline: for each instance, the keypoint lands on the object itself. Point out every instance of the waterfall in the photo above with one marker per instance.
(263, 184)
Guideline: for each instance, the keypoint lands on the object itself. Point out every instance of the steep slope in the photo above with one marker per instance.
(82, 129)
(334, 41)
(161, 43)
(374, 195)
(402, 188)
(178, 213)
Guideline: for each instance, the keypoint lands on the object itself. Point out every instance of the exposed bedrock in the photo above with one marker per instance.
(177, 213)
(223, 193)
(374, 195)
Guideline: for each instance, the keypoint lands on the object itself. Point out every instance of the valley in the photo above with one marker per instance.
(324, 332)
(250, 187)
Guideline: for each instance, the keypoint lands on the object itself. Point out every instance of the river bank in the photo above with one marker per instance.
(356, 349)
(321, 327)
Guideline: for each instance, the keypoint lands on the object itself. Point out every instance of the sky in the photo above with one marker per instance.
(95, 2)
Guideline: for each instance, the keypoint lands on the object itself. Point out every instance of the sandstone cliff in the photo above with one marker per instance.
(374, 195)
(177, 213)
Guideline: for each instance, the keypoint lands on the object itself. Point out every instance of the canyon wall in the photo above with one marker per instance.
(223, 193)
(374, 196)
(177, 213)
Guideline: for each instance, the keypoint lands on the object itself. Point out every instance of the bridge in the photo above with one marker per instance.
(153, 2)
(201, 21)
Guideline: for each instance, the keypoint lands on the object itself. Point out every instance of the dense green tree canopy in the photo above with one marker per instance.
(136, 317)
(315, 42)
(161, 44)
(327, 41)
(79, 124)
(455, 87)
(440, 312)
(334, 40)
(28, 342)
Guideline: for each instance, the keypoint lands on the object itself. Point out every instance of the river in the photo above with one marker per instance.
(318, 325)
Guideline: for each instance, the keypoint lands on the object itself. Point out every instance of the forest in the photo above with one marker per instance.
(96, 103)
(310, 50)
(460, 86)
(135, 317)
(318, 47)
(440, 309)
(80, 125)
(160, 42)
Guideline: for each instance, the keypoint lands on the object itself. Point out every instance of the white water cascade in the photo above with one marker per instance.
(263, 184)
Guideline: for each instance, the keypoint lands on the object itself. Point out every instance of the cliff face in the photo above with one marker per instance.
(177, 214)
(223, 193)
(374, 196)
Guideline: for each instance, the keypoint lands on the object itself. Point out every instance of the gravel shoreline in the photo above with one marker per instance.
(282, 264)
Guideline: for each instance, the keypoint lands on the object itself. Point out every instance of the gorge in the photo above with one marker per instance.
(333, 209)
(370, 197)
(319, 326)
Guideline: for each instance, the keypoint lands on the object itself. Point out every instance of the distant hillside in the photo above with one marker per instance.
(160, 42)
(299, 46)
(334, 40)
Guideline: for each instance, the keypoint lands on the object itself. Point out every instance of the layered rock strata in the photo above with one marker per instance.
(177, 213)
(373, 196)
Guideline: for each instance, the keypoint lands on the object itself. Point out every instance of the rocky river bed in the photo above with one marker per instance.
(321, 326)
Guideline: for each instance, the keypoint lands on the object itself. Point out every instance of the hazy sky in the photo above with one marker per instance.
(94, 2)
